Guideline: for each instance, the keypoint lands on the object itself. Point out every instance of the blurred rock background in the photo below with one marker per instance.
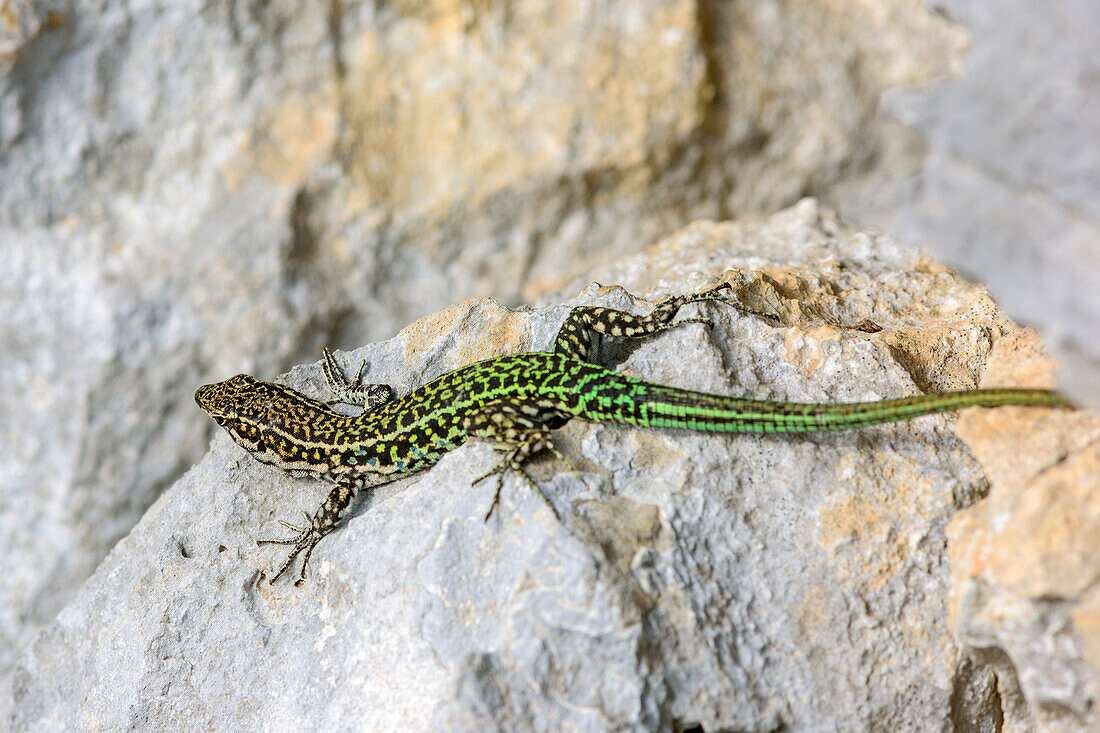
(190, 190)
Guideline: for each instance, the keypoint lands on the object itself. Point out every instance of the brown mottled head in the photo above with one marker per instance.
(263, 418)
(229, 400)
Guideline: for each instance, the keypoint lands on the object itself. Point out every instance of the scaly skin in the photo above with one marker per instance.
(515, 401)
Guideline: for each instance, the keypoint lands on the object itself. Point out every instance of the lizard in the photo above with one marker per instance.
(515, 402)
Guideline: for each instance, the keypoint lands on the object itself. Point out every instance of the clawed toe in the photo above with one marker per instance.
(305, 539)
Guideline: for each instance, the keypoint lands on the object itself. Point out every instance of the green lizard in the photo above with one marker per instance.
(515, 401)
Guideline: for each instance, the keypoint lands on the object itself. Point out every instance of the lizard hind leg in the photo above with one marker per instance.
(579, 333)
(517, 433)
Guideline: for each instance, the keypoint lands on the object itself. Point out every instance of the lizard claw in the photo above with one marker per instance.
(499, 470)
(511, 462)
(304, 542)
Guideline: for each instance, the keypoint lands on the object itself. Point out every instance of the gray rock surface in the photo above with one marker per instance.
(194, 189)
(735, 582)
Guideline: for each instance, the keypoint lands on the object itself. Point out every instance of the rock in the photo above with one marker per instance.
(730, 582)
(195, 189)
(1024, 561)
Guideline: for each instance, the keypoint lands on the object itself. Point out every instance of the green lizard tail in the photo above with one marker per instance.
(660, 406)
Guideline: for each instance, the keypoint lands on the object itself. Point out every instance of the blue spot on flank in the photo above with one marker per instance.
(372, 462)
(400, 464)
(352, 460)
(360, 452)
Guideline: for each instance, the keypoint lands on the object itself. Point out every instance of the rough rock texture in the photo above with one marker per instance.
(998, 171)
(193, 189)
(1025, 562)
(733, 582)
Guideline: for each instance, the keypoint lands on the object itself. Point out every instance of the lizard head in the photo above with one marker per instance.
(251, 411)
(268, 420)
(226, 401)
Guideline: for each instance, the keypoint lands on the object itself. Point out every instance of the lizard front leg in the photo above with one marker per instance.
(353, 392)
(324, 520)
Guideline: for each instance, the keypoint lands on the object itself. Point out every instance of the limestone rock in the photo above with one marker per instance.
(732, 582)
(1025, 561)
(192, 189)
